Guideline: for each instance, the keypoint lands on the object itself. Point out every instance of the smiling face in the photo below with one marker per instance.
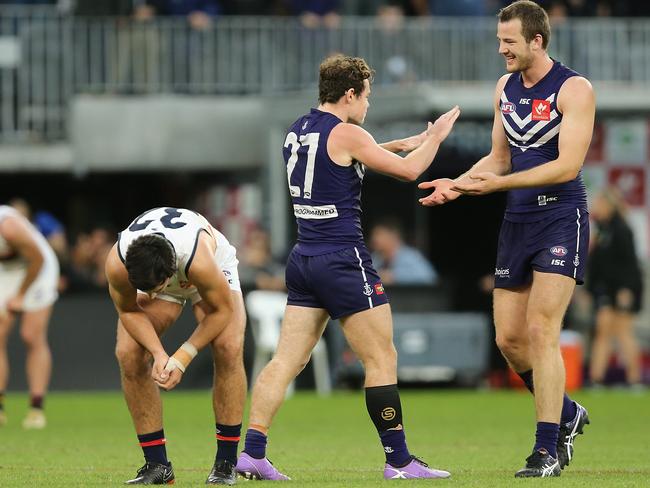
(359, 104)
(519, 53)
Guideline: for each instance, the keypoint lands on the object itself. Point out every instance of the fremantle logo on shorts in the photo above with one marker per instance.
(367, 289)
(320, 212)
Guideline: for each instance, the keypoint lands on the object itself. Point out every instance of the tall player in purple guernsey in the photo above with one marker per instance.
(329, 272)
(543, 121)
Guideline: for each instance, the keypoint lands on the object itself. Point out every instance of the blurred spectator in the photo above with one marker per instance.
(615, 282)
(558, 12)
(318, 13)
(87, 259)
(396, 262)
(199, 13)
(372, 7)
(257, 267)
(48, 225)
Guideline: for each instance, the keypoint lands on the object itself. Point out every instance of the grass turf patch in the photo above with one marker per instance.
(481, 437)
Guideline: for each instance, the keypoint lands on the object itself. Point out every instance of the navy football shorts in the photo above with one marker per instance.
(556, 244)
(342, 282)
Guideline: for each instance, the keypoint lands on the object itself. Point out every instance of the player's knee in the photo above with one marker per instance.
(131, 360)
(509, 345)
(227, 351)
(292, 366)
(32, 338)
(542, 333)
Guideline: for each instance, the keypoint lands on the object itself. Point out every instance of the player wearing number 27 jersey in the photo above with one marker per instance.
(329, 272)
(163, 259)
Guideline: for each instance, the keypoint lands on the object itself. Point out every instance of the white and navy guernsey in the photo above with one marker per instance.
(326, 197)
(532, 124)
(181, 227)
(9, 258)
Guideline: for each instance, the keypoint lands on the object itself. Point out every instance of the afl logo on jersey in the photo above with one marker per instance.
(507, 107)
(541, 110)
(559, 251)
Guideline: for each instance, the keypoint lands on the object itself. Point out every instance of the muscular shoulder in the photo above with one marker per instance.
(115, 270)
(577, 92)
(501, 83)
(344, 140)
(14, 228)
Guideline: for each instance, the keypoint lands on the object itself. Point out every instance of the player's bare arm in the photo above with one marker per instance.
(213, 287)
(576, 102)
(407, 144)
(17, 234)
(133, 318)
(349, 142)
(497, 161)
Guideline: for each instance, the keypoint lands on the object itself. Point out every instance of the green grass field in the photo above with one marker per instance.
(481, 437)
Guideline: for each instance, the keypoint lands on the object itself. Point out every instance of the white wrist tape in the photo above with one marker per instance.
(182, 358)
(173, 364)
(190, 349)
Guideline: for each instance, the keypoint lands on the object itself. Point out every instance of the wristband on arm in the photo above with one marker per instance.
(181, 358)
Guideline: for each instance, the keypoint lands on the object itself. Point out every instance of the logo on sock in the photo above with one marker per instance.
(388, 413)
(388, 450)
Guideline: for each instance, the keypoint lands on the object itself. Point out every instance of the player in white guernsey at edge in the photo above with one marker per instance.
(543, 121)
(29, 276)
(163, 259)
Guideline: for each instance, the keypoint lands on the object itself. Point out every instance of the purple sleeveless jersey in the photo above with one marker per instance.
(329, 267)
(532, 124)
(545, 229)
(326, 197)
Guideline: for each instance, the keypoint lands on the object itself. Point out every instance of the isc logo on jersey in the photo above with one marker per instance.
(507, 107)
(541, 110)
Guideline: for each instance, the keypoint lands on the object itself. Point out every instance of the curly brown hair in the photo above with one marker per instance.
(339, 73)
(534, 20)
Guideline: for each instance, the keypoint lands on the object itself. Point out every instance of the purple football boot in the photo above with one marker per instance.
(258, 469)
(415, 469)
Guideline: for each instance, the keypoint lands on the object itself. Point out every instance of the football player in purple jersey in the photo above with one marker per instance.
(543, 121)
(329, 271)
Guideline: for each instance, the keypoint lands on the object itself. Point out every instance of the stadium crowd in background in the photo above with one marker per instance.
(327, 13)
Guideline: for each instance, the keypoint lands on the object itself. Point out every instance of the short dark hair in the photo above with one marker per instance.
(150, 260)
(534, 20)
(339, 73)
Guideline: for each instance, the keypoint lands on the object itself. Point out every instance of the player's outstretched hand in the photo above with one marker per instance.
(481, 184)
(412, 143)
(443, 125)
(443, 192)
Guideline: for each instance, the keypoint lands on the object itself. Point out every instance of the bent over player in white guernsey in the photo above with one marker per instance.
(29, 276)
(329, 271)
(166, 257)
(543, 120)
